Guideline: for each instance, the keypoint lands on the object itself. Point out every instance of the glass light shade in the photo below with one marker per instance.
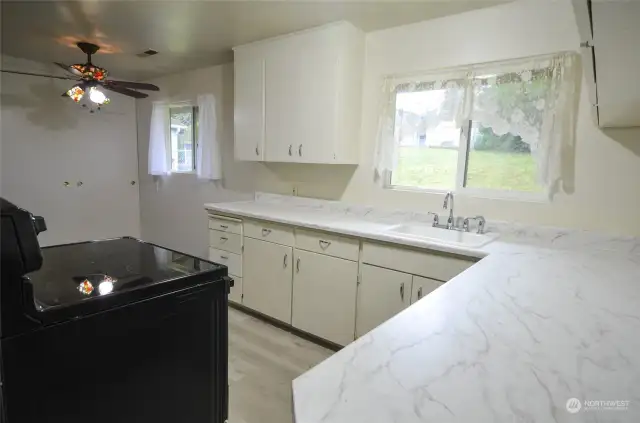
(91, 71)
(97, 96)
(76, 93)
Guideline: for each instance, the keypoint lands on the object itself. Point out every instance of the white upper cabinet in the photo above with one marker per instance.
(609, 33)
(249, 106)
(304, 91)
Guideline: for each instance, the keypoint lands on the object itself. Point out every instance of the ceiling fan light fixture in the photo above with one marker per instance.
(76, 93)
(98, 96)
(91, 72)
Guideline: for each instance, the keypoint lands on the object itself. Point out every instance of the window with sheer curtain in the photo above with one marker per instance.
(496, 130)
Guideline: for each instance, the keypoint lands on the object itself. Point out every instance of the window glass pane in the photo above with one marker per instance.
(507, 119)
(427, 138)
(500, 162)
(182, 139)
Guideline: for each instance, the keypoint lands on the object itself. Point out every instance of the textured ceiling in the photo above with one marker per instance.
(187, 34)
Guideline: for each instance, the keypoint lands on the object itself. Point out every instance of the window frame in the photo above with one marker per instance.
(194, 111)
(461, 174)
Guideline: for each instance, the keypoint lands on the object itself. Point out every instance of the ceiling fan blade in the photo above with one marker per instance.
(69, 69)
(126, 91)
(40, 74)
(136, 85)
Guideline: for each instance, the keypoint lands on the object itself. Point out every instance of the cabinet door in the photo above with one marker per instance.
(422, 287)
(235, 293)
(267, 278)
(249, 109)
(301, 92)
(382, 294)
(324, 296)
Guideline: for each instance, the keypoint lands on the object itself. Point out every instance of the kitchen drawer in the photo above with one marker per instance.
(329, 244)
(236, 292)
(231, 260)
(430, 265)
(226, 241)
(271, 232)
(225, 224)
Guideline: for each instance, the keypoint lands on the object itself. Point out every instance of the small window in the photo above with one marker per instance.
(183, 125)
(489, 152)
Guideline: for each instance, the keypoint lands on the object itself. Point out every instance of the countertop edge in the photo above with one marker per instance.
(374, 236)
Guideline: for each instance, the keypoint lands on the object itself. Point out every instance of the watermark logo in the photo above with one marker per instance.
(573, 405)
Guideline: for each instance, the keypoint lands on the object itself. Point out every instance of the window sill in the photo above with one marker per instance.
(516, 196)
(177, 172)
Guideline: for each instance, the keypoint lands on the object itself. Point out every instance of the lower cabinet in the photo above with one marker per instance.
(422, 287)
(266, 278)
(382, 294)
(324, 296)
(235, 294)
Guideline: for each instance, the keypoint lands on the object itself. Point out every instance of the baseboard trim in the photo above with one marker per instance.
(287, 327)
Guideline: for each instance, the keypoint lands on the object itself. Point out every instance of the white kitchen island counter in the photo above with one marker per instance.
(511, 339)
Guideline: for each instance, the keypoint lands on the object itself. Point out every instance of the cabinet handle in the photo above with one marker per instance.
(224, 257)
(419, 292)
(265, 231)
(324, 244)
(402, 291)
(298, 265)
(224, 226)
(290, 149)
(285, 261)
(224, 239)
(300, 150)
(257, 151)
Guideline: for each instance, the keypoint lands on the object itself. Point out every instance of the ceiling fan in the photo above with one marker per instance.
(91, 78)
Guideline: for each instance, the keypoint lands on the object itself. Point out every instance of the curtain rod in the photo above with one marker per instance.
(472, 66)
(171, 102)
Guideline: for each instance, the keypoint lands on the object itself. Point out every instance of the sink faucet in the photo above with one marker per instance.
(445, 206)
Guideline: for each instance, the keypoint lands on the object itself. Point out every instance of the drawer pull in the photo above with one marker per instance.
(265, 231)
(402, 291)
(419, 292)
(285, 261)
(300, 150)
(224, 226)
(289, 149)
(224, 239)
(224, 257)
(324, 244)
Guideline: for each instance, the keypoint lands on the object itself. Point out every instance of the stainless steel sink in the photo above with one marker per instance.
(445, 236)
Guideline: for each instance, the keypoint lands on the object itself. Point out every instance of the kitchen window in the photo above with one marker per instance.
(494, 130)
(183, 138)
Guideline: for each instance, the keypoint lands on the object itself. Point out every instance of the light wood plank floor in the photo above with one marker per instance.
(263, 361)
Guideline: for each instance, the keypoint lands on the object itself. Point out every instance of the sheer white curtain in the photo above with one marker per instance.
(534, 99)
(411, 107)
(209, 154)
(159, 140)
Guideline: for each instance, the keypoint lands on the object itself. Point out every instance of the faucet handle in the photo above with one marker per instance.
(481, 223)
(436, 218)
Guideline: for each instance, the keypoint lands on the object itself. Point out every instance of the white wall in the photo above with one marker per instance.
(47, 140)
(607, 166)
(171, 208)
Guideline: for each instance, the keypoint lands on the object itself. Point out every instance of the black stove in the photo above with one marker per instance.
(117, 330)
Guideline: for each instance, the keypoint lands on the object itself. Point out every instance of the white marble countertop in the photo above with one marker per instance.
(545, 316)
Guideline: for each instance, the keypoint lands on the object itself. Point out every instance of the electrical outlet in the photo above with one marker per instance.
(294, 191)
